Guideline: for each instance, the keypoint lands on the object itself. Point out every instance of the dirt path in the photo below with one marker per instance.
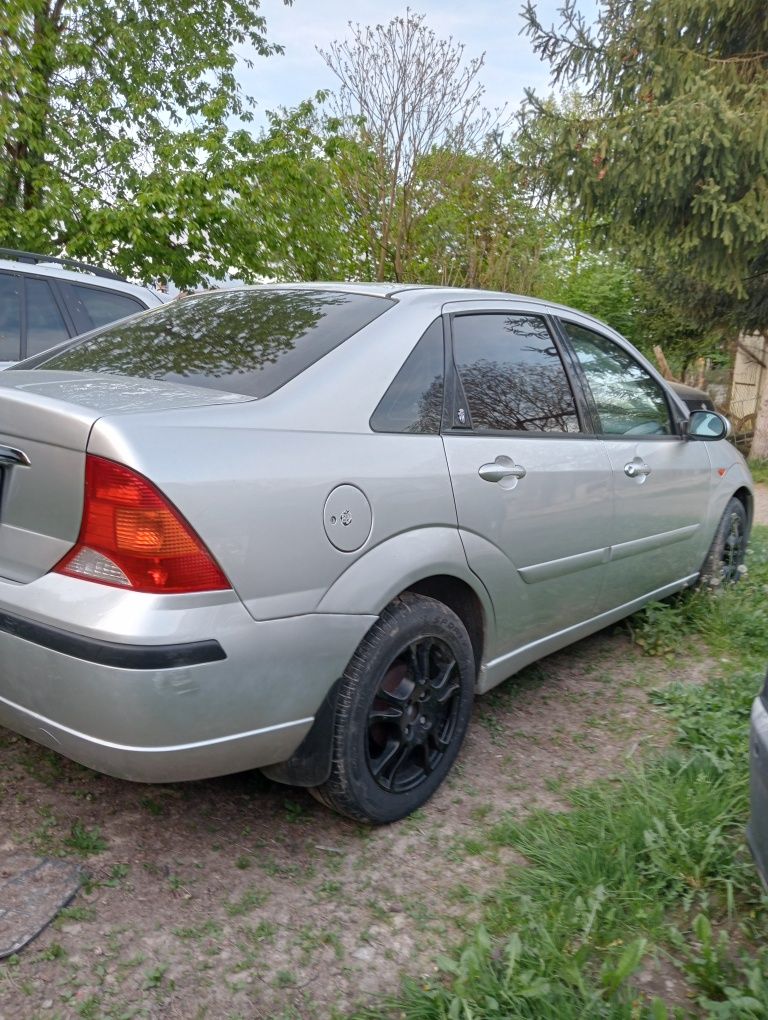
(240, 898)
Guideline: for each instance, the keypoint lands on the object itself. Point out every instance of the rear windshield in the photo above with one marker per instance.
(244, 341)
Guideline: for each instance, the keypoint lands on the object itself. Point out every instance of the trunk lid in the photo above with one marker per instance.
(47, 417)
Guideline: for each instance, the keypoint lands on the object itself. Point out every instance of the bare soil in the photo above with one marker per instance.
(237, 897)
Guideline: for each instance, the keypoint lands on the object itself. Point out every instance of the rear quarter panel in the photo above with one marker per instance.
(253, 479)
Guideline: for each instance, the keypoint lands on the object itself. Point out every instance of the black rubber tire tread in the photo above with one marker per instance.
(350, 789)
(713, 564)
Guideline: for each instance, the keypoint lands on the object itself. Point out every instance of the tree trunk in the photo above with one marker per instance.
(759, 449)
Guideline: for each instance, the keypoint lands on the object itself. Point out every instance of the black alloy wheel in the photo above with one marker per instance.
(734, 547)
(723, 564)
(402, 710)
(413, 716)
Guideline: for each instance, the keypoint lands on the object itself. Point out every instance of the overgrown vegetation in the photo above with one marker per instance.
(642, 900)
(759, 469)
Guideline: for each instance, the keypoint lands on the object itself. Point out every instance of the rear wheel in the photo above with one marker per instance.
(723, 564)
(402, 712)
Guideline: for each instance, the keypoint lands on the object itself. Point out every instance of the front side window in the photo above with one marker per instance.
(10, 317)
(241, 341)
(414, 400)
(628, 400)
(512, 374)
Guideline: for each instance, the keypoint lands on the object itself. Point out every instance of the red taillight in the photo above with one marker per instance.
(132, 537)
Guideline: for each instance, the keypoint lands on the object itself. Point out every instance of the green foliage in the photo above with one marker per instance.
(114, 139)
(673, 131)
(85, 841)
(733, 621)
(732, 985)
(488, 981)
(759, 469)
(657, 628)
(476, 230)
(605, 288)
(655, 839)
(295, 215)
(667, 151)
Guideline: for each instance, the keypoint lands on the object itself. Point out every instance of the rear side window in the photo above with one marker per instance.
(512, 375)
(103, 306)
(10, 317)
(414, 400)
(244, 341)
(45, 323)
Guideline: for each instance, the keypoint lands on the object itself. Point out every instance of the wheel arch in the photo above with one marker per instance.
(746, 498)
(428, 562)
(461, 599)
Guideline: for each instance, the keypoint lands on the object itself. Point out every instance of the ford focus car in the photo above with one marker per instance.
(300, 527)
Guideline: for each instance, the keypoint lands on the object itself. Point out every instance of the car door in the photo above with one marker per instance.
(661, 481)
(532, 489)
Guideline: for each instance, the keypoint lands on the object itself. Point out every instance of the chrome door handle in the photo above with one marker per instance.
(502, 467)
(9, 456)
(636, 469)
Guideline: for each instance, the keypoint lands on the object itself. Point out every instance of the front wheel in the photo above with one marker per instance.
(402, 712)
(723, 564)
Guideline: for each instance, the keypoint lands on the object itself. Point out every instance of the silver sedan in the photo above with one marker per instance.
(300, 527)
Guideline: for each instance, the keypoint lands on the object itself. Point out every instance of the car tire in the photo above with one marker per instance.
(403, 708)
(723, 564)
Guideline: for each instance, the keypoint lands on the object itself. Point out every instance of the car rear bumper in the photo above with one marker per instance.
(160, 689)
(757, 831)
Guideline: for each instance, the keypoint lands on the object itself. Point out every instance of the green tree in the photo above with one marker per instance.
(404, 94)
(477, 227)
(667, 150)
(297, 219)
(114, 130)
(668, 153)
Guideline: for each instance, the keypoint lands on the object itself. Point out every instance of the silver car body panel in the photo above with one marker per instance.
(499, 669)
(519, 536)
(269, 538)
(251, 708)
(570, 547)
(757, 832)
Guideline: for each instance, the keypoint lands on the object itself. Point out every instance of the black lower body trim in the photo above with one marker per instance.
(112, 653)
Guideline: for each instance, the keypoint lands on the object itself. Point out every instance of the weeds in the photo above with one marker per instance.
(85, 841)
(731, 984)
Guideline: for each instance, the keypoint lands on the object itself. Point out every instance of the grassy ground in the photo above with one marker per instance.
(759, 469)
(641, 901)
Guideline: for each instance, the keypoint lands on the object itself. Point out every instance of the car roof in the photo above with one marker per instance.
(405, 291)
(48, 270)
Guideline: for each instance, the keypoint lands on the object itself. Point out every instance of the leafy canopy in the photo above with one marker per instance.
(114, 137)
(668, 151)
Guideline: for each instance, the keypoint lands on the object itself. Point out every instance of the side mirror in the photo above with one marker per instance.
(707, 425)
